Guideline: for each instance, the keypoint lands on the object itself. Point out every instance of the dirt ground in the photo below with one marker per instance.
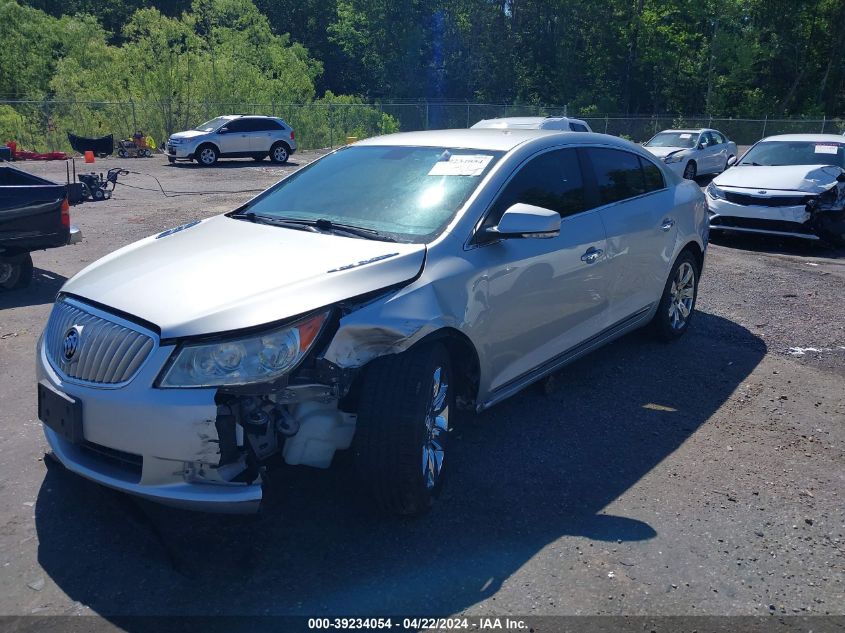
(704, 477)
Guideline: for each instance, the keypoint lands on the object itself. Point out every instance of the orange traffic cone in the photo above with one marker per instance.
(89, 156)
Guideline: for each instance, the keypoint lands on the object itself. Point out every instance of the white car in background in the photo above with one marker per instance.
(559, 123)
(692, 153)
(233, 136)
(792, 184)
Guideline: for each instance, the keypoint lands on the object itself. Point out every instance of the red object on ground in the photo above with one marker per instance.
(24, 155)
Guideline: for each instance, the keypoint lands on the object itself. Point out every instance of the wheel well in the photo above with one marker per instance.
(696, 251)
(280, 143)
(207, 144)
(465, 368)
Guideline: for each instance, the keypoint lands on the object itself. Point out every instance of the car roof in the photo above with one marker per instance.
(490, 139)
(690, 131)
(805, 137)
(522, 122)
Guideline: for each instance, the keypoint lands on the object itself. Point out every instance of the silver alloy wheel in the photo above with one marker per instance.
(682, 295)
(436, 426)
(6, 272)
(280, 154)
(208, 156)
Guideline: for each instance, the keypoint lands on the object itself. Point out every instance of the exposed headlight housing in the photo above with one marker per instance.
(176, 141)
(242, 360)
(677, 157)
(714, 192)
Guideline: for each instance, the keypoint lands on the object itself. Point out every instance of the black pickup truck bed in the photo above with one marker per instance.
(33, 216)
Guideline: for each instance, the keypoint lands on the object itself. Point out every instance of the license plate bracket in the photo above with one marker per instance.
(60, 412)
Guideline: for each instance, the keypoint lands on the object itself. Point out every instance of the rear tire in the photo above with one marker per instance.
(677, 304)
(400, 443)
(15, 272)
(98, 195)
(279, 153)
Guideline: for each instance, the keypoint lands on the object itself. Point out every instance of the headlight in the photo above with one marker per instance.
(714, 192)
(242, 360)
(175, 141)
(674, 158)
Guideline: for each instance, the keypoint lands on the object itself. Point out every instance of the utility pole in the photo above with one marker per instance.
(712, 63)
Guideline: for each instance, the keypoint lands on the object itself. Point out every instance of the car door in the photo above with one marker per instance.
(636, 210)
(265, 134)
(235, 139)
(543, 296)
(723, 152)
(713, 151)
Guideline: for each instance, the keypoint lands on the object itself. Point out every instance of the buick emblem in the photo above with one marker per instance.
(70, 345)
(762, 193)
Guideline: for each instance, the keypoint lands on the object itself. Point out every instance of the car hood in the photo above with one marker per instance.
(224, 274)
(189, 134)
(662, 152)
(804, 178)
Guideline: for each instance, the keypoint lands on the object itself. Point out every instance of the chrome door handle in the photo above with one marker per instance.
(668, 223)
(592, 255)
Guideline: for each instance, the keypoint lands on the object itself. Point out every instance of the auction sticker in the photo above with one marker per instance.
(827, 149)
(461, 165)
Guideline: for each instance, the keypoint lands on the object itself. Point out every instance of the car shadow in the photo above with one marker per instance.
(776, 244)
(524, 474)
(43, 289)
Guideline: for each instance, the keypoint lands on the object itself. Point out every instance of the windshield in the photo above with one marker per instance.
(773, 153)
(674, 139)
(405, 193)
(210, 126)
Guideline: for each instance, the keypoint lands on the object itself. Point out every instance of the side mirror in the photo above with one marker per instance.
(526, 220)
(223, 130)
(731, 161)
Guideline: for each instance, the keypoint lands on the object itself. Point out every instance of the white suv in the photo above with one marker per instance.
(561, 123)
(233, 136)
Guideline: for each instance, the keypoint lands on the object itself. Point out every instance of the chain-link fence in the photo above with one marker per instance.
(44, 125)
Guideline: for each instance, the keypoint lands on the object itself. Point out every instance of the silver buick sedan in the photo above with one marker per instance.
(362, 303)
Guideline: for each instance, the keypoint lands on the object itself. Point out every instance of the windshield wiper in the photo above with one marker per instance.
(268, 219)
(753, 164)
(319, 225)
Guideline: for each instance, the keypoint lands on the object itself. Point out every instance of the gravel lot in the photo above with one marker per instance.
(703, 477)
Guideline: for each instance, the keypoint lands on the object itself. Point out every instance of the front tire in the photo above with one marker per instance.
(207, 155)
(402, 431)
(675, 310)
(279, 153)
(690, 170)
(15, 272)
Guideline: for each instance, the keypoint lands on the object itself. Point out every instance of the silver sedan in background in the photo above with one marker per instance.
(692, 153)
(362, 302)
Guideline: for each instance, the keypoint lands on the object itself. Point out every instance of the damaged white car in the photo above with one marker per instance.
(361, 303)
(790, 185)
(693, 153)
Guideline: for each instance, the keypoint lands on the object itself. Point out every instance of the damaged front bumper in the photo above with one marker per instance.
(158, 444)
(789, 214)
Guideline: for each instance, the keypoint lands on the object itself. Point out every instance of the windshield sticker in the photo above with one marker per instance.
(827, 149)
(686, 135)
(460, 165)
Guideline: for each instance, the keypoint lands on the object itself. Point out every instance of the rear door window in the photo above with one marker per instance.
(618, 174)
(652, 175)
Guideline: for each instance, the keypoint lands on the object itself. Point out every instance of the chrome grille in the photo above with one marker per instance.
(107, 352)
